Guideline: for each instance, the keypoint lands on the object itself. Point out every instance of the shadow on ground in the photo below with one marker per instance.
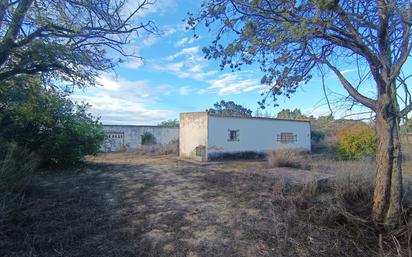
(156, 207)
(172, 209)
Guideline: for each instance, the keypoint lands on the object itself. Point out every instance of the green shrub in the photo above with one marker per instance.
(170, 123)
(317, 136)
(77, 136)
(148, 138)
(16, 168)
(46, 122)
(356, 143)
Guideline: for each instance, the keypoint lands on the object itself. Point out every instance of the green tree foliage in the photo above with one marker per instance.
(356, 142)
(289, 39)
(69, 41)
(169, 123)
(148, 138)
(295, 114)
(47, 123)
(230, 109)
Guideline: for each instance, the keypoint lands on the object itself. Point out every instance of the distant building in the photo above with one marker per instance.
(120, 137)
(204, 137)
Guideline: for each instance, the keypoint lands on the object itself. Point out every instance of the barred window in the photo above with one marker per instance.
(233, 135)
(287, 138)
(113, 135)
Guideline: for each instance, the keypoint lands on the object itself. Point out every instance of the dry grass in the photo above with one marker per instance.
(338, 210)
(288, 158)
(127, 205)
(155, 150)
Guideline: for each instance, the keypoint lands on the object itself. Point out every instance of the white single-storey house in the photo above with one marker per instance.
(120, 137)
(204, 137)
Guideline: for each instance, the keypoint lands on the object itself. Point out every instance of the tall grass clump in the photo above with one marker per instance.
(337, 207)
(288, 158)
(16, 168)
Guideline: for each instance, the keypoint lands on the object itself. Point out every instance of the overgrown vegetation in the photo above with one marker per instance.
(169, 123)
(148, 138)
(295, 114)
(128, 205)
(288, 158)
(17, 166)
(291, 40)
(47, 123)
(356, 143)
(230, 109)
(337, 208)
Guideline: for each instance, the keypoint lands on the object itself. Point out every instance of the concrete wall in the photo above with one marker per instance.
(129, 136)
(255, 134)
(192, 133)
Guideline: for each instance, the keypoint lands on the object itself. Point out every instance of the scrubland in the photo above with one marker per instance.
(135, 204)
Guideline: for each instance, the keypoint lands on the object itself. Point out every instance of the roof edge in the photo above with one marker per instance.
(251, 118)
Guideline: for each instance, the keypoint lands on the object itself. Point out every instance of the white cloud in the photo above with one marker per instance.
(190, 52)
(347, 71)
(158, 7)
(122, 101)
(332, 75)
(184, 90)
(150, 40)
(201, 91)
(173, 29)
(185, 41)
(187, 63)
(108, 83)
(235, 83)
(113, 110)
(181, 42)
(133, 64)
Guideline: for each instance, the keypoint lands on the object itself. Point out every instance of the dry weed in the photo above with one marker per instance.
(340, 206)
(288, 158)
(155, 150)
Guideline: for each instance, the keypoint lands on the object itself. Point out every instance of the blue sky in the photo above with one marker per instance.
(174, 77)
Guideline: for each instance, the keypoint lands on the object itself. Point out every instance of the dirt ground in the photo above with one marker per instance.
(123, 205)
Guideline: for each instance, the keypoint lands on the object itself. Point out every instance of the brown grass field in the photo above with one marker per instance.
(125, 205)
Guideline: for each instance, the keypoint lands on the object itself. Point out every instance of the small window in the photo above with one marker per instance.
(233, 135)
(115, 135)
(287, 138)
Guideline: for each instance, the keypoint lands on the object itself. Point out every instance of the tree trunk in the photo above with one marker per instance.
(388, 184)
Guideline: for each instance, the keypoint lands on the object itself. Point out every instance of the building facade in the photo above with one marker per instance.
(203, 136)
(120, 137)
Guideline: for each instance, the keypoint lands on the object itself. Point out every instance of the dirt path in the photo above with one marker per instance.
(121, 206)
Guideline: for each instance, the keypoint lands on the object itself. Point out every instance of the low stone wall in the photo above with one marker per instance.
(121, 137)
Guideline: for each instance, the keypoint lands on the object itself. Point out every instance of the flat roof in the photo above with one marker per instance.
(252, 117)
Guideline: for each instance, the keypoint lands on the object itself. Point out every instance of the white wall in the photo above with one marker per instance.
(132, 136)
(192, 132)
(255, 134)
